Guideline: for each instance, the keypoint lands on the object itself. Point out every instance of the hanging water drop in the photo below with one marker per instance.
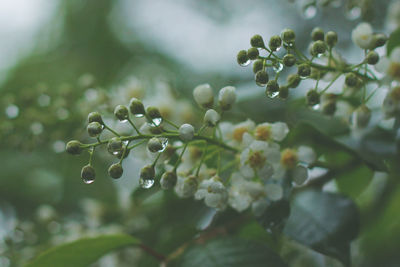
(245, 63)
(278, 67)
(88, 180)
(272, 94)
(139, 115)
(309, 11)
(316, 107)
(146, 183)
(164, 143)
(157, 121)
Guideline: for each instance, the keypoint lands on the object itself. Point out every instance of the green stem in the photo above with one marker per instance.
(180, 157)
(133, 125)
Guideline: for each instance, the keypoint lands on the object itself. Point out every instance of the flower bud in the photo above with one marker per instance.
(189, 186)
(258, 65)
(94, 129)
(351, 79)
(317, 34)
(168, 180)
(288, 36)
(283, 92)
(289, 60)
(318, 48)
(227, 97)
(293, 80)
(154, 145)
(211, 118)
(257, 41)
(147, 172)
(372, 58)
(88, 174)
(121, 112)
(114, 145)
(115, 170)
(95, 117)
(203, 95)
(379, 40)
(153, 113)
(136, 107)
(313, 97)
(304, 70)
(272, 86)
(73, 147)
(242, 58)
(331, 38)
(252, 53)
(275, 42)
(186, 132)
(329, 107)
(261, 78)
(361, 116)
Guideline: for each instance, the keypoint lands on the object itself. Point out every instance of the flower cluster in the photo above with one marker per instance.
(239, 165)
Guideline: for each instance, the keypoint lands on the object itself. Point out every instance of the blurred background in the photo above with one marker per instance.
(60, 60)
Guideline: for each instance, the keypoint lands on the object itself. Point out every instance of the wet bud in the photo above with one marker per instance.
(283, 92)
(211, 118)
(114, 146)
(115, 170)
(329, 107)
(94, 129)
(275, 42)
(272, 86)
(258, 65)
(331, 38)
(147, 172)
(361, 116)
(288, 36)
(227, 97)
(317, 34)
(379, 40)
(168, 180)
(252, 53)
(153, 113)
(154, 145)
(289, 60)
(261, 78)
(203, 95)
(88, 174)
(304, 70)
(136, 107)
(242, 57)
(73, 147)
(313, 97)
(372, 58)
(95, 117)
(293, 80)
(121, 112)
(351, 79)
(186, 132)
(318, 48)
(257, 41)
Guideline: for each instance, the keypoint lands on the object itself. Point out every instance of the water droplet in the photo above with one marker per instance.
(316, 107)
(353, 13)
(12, 111)
(62, 113)
(164, 143)
(36, 128)
(88, 180)
(278, 67)
(125, 142)
(58, 146)
(245, 63)
(43, 100)
(146, 183)
(157, 121)
(260, 84)
(115, 152)
(123, 121)
(139, 115)
(271, 94)
(309, 11)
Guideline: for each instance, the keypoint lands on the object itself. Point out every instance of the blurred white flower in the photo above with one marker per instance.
(362, 35)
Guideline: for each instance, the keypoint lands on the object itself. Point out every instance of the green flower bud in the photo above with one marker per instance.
(313, 97)
(379, 40)
(242, 58)
(293, 80)
(275, 42)
(136, 107)
(288, 36)
(252, 53)
(88, 174)
(168, 180)
(261, 78)
(272, 86)
(147, 172)
(114, 146)
(329, 107)
(318, 48)
(351, 79)
(304, 70)
(317, 34)
(257, 41)
(289, 60)
(372, 58)
(153, 113)
(95, 117)
(283, 92)
(73, 147)
(331, 38)
(94, 129)
(115, 170)
(121, 112)
(154, 145)
(258, 65)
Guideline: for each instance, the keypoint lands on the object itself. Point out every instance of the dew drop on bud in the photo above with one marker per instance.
(245, 63)
(88, 180)
(146, 183)
(164, 143)
(278, 67)
(271, 94)
(157, 121)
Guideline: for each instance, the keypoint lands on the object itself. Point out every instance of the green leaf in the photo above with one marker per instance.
(82, 252)
(355, 181)
(325, 222)
(232, 252)
(394, 41)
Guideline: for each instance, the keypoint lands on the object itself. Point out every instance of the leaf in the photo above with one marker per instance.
(355, 181)
(325, 222)
(275, 216)
(232, 252)
(394, 41)
(82, 252)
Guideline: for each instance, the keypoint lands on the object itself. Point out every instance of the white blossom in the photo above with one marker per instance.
(203, 95)
(211, 118)
(227, 97)
(362, 35)
(186, 132)
(242, 192)
(213, 192)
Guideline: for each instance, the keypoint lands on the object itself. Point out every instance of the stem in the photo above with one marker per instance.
(111, 130)
(202, 159)
(171, 123)
(180, 157)
(133, 125)
(330, 84)
(153, 253)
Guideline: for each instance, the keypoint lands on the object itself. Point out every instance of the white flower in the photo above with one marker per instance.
(306, 154)
(361, 117)
(214, 193)
(274, 191)
(203, 95)
(211, 118)
(391, 103)
(186, 186)
(242, 192)
(300, 174)
(391, 65)
(241, 128)
(227, 97)
(362, 35)
(186, 132)
(276, 131)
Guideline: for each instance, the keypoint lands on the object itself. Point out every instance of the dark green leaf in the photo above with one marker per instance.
(325, 222)
(354, 182)
(82, 252)
(394, 41)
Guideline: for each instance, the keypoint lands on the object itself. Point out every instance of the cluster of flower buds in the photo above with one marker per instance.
(241, 165)
(323, 64)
